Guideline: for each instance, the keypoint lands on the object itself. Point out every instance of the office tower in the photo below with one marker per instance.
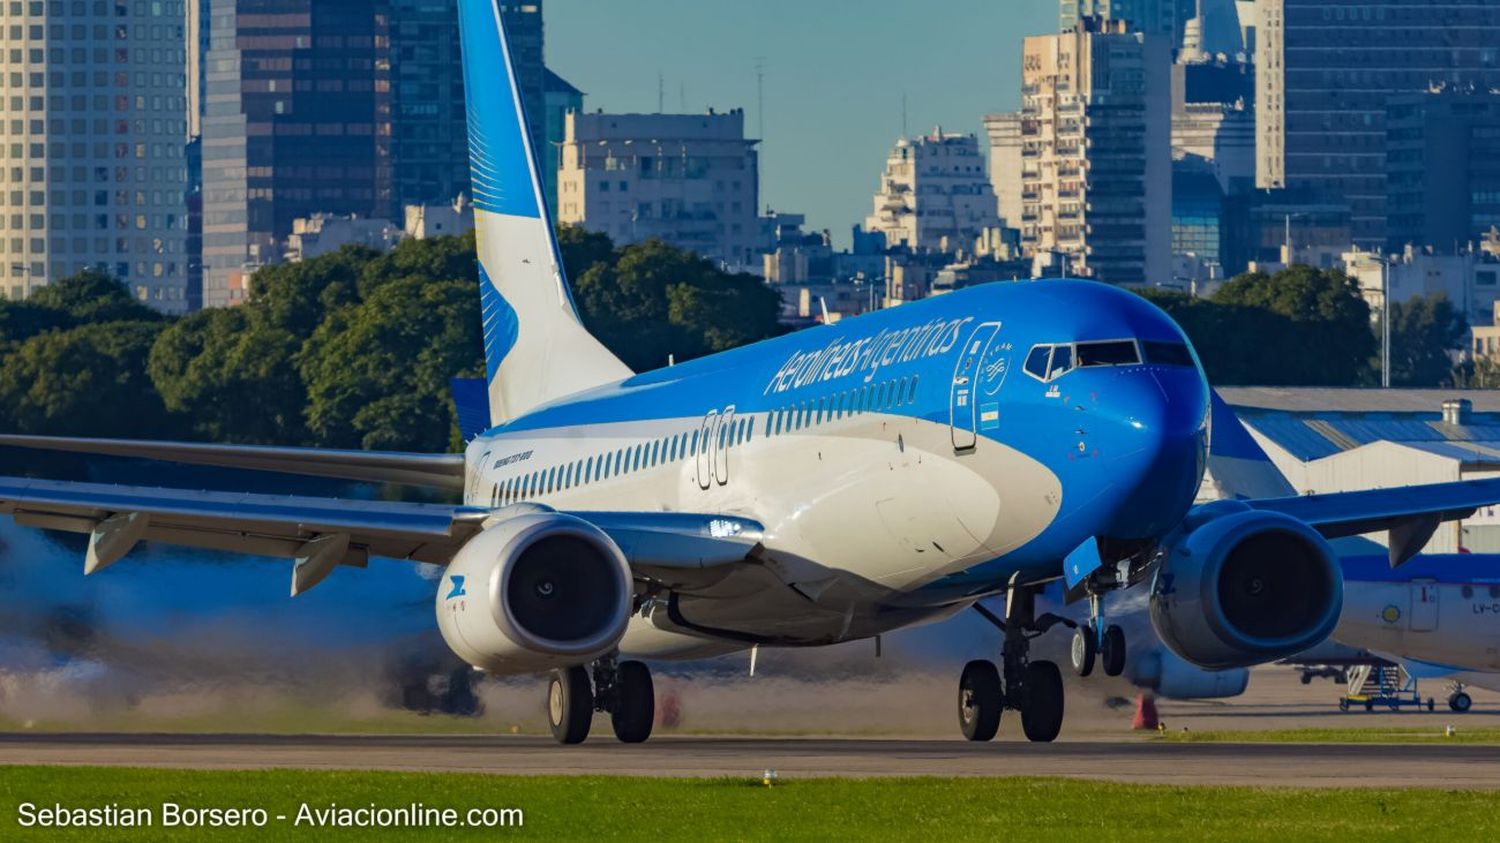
(1004, 131)
(692, 180)
(298, 123)
(1442, 169)
(934, 195)
(1167, 18)
(429, 134)
(1095, 124)
(92, 127)
(1326, 70)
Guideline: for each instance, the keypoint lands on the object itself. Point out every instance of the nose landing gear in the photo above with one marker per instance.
(624, 689)
(1034, 689)
(1094, 639)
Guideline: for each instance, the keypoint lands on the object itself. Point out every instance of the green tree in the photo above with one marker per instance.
(86, 381)
(656, 301)
(1323, 337)
(22, 320)
(93, 296)
(378, 373)
(1424, 332)
(232, 375)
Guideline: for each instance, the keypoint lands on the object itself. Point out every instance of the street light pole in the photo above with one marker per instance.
(1385, 323)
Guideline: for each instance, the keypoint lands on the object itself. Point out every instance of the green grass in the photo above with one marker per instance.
(593, 808)
(1432, 734)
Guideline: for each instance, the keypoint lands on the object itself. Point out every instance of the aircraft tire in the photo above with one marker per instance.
(1042, 711)
(1084, 650)
(1460, 702)
(980, 700)
(1113, 651)
(570, 704)
(635, 703)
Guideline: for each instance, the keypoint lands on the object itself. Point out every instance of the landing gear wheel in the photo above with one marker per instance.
(1113, 651)
(1460, 702)
(1042, 708)
(635, 703)
(979, 700)
(570, 705)
(1084, 650)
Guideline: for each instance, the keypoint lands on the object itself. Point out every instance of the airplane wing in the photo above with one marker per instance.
(322, 533)
(443, 471)
(1410, 513)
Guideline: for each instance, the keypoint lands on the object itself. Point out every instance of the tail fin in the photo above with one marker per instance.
(1238, 465)
(535, 348)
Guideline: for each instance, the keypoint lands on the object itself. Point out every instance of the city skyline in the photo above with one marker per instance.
(831, 112)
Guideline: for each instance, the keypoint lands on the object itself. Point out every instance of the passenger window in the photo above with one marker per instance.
(1036, 361)
(1167, 353)
(1115, 353)
(1062, 361)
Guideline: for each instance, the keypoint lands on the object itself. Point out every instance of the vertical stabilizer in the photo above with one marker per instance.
(535, 349)
(1237, 466)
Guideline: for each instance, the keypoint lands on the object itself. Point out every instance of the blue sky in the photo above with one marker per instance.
(835, 73)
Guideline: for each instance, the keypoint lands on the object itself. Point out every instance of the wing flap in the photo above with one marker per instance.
(678, 550)
(443, 471)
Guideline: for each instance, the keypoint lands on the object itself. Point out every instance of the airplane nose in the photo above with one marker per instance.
(1162, 423)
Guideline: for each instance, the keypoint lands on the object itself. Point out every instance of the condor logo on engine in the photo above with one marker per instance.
(458, 588)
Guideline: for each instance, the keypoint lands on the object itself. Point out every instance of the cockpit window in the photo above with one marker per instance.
(1167, 353)
(1062, 361)
(1036, 361)
(1112, 353)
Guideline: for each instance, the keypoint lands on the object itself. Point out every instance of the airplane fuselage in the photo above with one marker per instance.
(1439, 609)
(903, 463)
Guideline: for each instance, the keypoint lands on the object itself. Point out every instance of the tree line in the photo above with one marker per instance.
(355, 349)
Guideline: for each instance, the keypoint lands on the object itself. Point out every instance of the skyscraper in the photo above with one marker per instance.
(1096, 157)
(1167, 18)
(92, 128)
(1442, 169)
(429, 138)
(298, 122)
(1326, 70)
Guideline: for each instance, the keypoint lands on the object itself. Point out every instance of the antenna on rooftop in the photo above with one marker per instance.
(903, 116)
(661, 93)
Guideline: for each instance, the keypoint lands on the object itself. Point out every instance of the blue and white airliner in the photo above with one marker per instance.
(820, 487)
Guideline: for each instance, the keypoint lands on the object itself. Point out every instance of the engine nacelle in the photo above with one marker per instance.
(1169, 676)
(536, 591)
(1240, 587)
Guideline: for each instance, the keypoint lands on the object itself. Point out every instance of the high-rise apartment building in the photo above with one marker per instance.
(1004, 131)
(1326, 70)
(934, 195)
(92, 131)
(561, 98)
(429, 135)
(1442, 169)
(1096, 156)
(298, 123)
(691, 180)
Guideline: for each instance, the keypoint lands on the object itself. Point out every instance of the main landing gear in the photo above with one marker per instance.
(1459, 700)
(1095, 640)
(1033, 688)
(624, 689)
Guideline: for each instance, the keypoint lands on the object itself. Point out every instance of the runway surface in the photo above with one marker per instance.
(1145, 761)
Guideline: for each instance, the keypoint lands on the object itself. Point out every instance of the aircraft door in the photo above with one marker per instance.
(964, 398)
(1423, 616)
(704, 454)
(723, 437)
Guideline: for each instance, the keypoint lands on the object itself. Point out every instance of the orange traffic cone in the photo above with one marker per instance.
(1145, 713)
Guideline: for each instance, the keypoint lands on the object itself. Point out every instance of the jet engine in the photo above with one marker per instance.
(1238, 587)
(533, 592)
(1169, 676)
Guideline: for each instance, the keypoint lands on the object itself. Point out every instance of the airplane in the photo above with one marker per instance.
(1438, 615)
(823, 486)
